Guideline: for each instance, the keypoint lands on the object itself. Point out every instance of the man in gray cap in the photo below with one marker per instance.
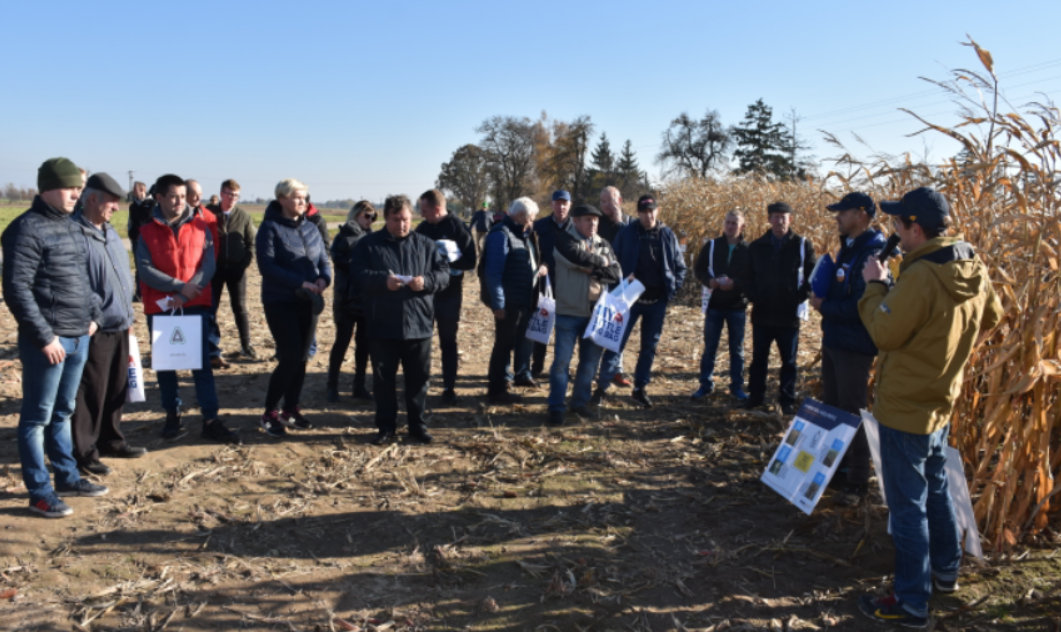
(47, 291)
(104, 383)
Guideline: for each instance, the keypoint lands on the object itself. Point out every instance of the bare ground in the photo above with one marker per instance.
(634, 520)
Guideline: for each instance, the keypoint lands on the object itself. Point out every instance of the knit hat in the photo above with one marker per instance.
(58, 173)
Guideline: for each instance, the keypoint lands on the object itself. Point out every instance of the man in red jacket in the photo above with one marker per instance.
(175, 259)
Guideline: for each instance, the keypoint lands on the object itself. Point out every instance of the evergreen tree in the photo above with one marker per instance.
(630, 177)
(602, 157)
(764, 146)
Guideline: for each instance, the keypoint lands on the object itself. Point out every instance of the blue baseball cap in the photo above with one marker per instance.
(853, 201)
(560, 194)
(924, 206)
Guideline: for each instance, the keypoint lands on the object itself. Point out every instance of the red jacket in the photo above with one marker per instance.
(178, 257)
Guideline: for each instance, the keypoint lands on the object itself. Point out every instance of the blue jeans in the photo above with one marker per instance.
(714, 320)
(651, 315)
(49, 392)
(567, 332)
(787, 339)
(205, 391)
(924, 528)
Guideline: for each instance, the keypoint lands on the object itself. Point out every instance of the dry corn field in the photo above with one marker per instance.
(1006, 200)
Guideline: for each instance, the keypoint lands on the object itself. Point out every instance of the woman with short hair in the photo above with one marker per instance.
(293, 262)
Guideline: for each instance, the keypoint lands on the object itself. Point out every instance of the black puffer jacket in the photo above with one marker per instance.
(46, 275)
(774, 283)
(400, 314)
(346, 300)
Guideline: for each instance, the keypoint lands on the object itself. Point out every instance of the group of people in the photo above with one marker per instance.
(67, 280)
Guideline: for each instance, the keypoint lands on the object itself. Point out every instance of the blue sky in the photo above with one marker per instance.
(364, 99)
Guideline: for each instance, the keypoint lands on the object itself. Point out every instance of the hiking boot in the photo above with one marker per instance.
(383, 437)
(503, 398)
(702, 392)
(294, 420)
(174, 428)
(641, 397)
(621, 380)
(83, 487)
(52, 507)
(890, 610)
(360, 392)
(217, 362)
(94, 467)
(215, 430)
(449, 397)
(272, 426)
(420, 435)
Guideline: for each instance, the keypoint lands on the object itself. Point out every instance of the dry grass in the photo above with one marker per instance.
(1005, 200)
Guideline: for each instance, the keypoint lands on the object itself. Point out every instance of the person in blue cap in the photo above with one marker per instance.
(547, 229)
(847, 349)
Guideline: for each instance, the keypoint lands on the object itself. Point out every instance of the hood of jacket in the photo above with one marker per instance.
(954, 263)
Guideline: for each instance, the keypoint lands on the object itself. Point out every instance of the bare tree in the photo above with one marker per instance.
(694, 147)
(510, 156)
(466, 176)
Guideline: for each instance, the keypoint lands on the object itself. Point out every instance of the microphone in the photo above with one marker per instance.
(889, 247)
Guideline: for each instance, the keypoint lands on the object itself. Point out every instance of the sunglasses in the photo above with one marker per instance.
(370, 218)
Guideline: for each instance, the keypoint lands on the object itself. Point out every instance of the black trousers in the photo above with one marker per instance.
(293, 326)
(845, 379)
(101, 396)
(347, 327)
(787, 339)
(415, 359)
(235, 279)
(509, 342)
(448, 317)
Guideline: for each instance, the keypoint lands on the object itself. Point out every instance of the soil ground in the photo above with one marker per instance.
(633, 520)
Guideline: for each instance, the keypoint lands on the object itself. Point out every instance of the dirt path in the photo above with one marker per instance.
(635, 520)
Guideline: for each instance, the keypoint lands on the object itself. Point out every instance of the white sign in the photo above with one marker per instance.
(810, 453)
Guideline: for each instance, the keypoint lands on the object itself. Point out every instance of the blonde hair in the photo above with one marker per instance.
(288, 187)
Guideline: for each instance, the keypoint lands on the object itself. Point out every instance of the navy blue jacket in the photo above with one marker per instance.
(627, 246)
(290, 252)
(510, 266)
(400, 314)
(842, 327)
(109, 274)
(45, 282)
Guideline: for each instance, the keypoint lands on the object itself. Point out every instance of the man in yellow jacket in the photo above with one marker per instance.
(925, 328)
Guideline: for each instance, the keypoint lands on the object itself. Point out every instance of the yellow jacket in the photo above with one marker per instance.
(925, 327)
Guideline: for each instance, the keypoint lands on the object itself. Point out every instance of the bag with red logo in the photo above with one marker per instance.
(540, 327)
(611, 315)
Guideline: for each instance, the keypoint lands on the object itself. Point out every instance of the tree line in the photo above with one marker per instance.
(517, 156)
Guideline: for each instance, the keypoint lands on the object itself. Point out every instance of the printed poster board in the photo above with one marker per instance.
(810, 453)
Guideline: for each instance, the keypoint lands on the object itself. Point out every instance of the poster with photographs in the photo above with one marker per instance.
(809, 453)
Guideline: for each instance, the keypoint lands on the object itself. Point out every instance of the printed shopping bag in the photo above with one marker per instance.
(540, 327)
(176, 342)
(135, 373)
(611, 315)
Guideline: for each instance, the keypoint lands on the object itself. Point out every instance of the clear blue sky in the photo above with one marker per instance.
(363, 99)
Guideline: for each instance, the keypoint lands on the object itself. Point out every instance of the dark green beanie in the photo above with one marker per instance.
(58, 173)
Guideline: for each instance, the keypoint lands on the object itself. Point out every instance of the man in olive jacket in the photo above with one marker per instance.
(235, 252)
(925, 328)
(399, 273)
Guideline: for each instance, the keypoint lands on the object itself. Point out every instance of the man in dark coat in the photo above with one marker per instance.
(456, 245)
(547, 229)
(235, 252)
(778, 284)
(398, 274)
(45, 286)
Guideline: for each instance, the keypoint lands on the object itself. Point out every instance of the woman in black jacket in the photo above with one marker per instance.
(293, 262)
(346, 306)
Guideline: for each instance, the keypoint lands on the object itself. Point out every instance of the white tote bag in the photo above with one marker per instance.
(611, 315)
(540, 327)
(176, 342)
(135, 373)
